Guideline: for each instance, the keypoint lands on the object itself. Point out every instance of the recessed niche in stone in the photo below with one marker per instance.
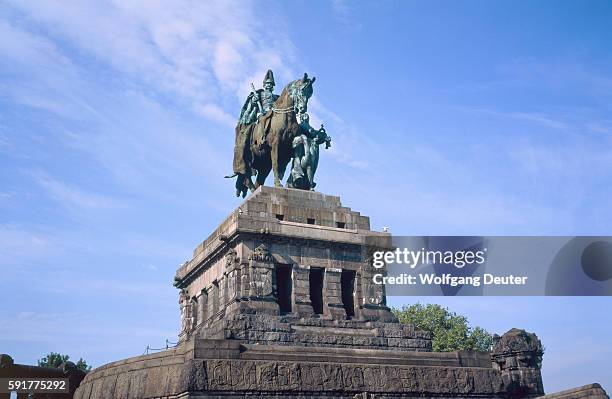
(283, 287)
(348, 288)
(316, 289)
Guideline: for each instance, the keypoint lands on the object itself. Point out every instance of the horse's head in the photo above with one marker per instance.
(301, 91)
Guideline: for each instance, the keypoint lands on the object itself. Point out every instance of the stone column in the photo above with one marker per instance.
(223, 292)
(203, 306)
(261, 289)
(301, 291)
(332, 294)
(231, 277)
(193, 310)
(184, 303)
(517, 355)
(213, 299)
(373, 305)
(244, 281)
(359, 298)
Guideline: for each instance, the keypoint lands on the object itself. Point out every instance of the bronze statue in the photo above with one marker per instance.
(265, 135)
(306, 154)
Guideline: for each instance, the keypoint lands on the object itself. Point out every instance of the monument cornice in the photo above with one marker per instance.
(202, 261)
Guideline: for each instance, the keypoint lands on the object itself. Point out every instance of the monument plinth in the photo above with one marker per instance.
(290, 267)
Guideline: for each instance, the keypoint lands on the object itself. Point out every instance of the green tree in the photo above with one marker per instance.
(54, 360)
(449, 331)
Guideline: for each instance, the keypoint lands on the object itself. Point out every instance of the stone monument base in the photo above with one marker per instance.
(228, 369)
(279, 302)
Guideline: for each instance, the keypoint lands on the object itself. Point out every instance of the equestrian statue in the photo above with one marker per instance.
(274, 130)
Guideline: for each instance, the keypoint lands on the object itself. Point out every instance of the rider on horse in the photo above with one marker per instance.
(266, 133)
(258, 103)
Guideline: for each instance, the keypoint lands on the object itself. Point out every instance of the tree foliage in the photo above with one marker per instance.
(449, 331)
(54, 360)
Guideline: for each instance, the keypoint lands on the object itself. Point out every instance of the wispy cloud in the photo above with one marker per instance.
(19, 243)
(200, 52)
(185, 57)
(601, 127)
(71, 196)
(7, 194)
(350, 147)
(534, 117)
(580, 161)
(344, 14)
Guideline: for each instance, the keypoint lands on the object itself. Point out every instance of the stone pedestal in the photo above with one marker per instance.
(267, 257)
(518, 356)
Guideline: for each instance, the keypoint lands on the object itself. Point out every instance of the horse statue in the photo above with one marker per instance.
(272, 136)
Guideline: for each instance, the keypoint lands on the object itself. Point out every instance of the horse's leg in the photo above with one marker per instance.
(262, 173)
(249, 183)
(241, 188)
(262, 164)
(277, 165)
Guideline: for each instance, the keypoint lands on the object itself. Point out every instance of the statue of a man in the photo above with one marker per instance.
(306, 154)
(258, 103)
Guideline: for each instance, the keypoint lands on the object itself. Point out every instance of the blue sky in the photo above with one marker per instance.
(116, 127)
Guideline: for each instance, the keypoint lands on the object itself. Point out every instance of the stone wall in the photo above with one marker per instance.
(226, 368)
(267, 330)
(236, 269)
(591, 391)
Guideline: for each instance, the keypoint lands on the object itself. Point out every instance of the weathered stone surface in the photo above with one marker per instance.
(591, 391)
(275, 376)
(224, 368)
(518, 357)
(237, 267)
(279, 302)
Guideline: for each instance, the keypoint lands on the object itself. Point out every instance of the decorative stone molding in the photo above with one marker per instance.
(518, 356)
(261, 254)
(231, 258)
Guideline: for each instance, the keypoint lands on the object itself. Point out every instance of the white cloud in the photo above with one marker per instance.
(579, 161)
(199, 51)
(120, 76)
(539, 119)
(534, 117)
(71, 196)
(216, 113)
(20, 245)
(344, 14)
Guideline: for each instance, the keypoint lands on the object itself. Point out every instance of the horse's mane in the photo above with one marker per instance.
(285, 100)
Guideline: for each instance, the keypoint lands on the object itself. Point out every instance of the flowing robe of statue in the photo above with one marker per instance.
(244, 129)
